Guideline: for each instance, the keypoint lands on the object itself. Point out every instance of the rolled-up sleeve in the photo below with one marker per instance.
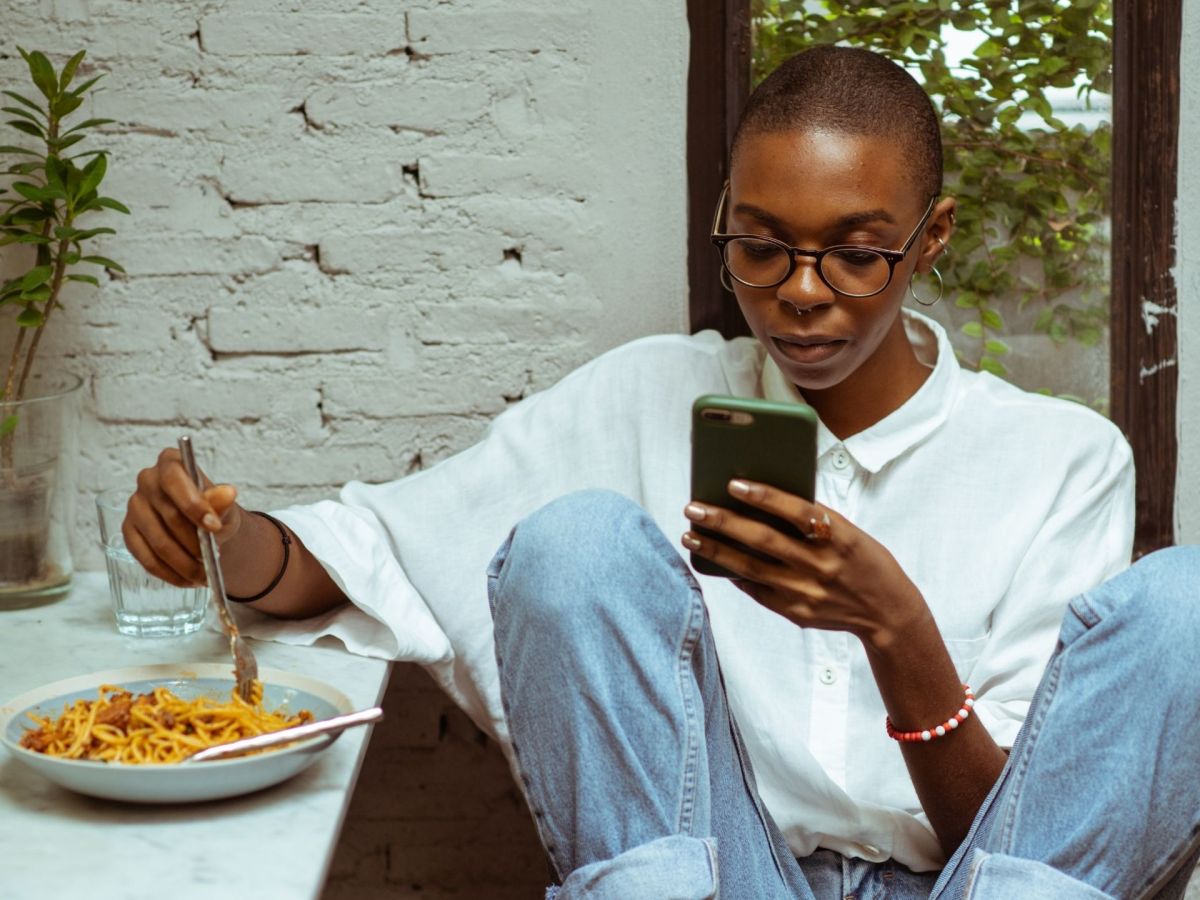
(387, 619)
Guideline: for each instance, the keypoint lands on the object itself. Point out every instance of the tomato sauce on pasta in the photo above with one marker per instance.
(157, 727)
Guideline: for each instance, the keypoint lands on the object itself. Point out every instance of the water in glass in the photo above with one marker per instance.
(143, 604)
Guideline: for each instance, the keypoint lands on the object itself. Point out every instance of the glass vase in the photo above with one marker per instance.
(39, 450)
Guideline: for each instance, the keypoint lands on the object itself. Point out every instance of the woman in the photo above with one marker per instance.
(957, 516)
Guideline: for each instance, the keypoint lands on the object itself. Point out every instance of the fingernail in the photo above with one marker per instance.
(695, 512)
(690, 542)
(739, 488)
(212, 522)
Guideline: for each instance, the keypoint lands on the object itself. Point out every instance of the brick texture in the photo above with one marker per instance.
(359, 231)
(443, 818)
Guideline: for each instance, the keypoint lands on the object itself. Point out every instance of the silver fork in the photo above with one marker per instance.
(245, 666)
(287, 735)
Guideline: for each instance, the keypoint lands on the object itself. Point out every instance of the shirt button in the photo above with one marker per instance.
(828, 676)
(841, 458)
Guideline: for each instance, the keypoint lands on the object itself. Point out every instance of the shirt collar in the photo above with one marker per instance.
(919, 416)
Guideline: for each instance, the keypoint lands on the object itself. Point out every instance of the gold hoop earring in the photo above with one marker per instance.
(725, 280)
(941, 288)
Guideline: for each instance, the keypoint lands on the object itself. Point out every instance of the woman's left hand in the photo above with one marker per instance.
(838, 578)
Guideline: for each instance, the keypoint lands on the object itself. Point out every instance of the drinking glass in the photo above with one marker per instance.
(143, 604)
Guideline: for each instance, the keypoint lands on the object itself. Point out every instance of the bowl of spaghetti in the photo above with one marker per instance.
(123, 734)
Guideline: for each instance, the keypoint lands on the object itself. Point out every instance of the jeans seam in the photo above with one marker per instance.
(525, 782)
(1006, 825)
(751, 787)
(714, 864)
(688, 688)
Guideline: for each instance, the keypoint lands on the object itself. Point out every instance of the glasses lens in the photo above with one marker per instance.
(756, 262)
(857, 273)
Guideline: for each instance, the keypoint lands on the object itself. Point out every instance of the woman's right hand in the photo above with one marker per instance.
(164, 513)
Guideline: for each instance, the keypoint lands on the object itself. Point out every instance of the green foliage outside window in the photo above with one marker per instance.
(1033, 202)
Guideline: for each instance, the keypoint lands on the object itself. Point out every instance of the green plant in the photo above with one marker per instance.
(47, 193)
(1033, 201)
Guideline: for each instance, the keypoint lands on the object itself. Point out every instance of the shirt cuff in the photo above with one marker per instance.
(387, 618)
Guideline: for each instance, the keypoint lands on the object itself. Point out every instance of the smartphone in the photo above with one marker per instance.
(759, 440)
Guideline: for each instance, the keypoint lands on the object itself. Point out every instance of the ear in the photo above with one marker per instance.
(938, 231)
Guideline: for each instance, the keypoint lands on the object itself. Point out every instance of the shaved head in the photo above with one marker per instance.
(852, 91)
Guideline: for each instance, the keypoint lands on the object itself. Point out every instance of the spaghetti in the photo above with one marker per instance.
(158, 727)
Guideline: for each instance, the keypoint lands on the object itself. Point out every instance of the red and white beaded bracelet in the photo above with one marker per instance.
(909, 737)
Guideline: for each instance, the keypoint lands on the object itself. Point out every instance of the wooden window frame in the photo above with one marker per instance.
(1143, 340)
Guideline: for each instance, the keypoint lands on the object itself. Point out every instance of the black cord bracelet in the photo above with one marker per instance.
(287, 544)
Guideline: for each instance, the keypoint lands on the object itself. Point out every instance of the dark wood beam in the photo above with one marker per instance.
(718, 85)
(1145, 163)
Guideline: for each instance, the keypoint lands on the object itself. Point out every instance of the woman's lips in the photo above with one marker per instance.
(808, 350)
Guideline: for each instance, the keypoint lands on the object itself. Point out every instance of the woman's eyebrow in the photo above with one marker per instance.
(850, 220)
(862, 218)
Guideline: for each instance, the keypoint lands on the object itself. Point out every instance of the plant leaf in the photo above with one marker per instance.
(27, 168)
(68, 71)
(27, 128)
(23, 113)
(992, 319)
(73, 176)
(35, 277)
(89, 279)
(42, 72)
(33, 191)
(56, 172)
(93, 174)
(82, 89)
(104, 261)
(110, 203)
(30, 317)
(8, 425)
(66, 104)
(92, 232)
(30, 215)
(24, 101)
(7, 148)
(69, 141)
(997, 368)
(37, 295)
(89, 123)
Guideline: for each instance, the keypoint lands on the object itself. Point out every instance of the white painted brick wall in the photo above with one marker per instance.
(359, 231)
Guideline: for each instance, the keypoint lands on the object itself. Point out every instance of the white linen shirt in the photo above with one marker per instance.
(999, 504)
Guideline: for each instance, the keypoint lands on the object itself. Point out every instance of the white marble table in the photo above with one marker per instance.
(272, 845)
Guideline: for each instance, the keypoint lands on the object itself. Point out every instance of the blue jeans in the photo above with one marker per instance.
(640, 785)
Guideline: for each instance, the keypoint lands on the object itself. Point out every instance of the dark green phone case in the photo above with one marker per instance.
(776, 445)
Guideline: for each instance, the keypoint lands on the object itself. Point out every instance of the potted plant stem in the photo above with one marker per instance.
(47, 185)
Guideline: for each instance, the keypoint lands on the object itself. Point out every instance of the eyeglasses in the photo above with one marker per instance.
(847, 269)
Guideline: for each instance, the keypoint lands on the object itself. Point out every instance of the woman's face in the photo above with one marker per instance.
(815, 189)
